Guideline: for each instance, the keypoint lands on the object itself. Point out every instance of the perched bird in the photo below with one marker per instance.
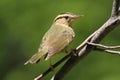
(56, 38)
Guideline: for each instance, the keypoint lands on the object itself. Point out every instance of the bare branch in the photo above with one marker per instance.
(115, 9)
(39, 77)
(108, 51)
(112, 52)
(112, 22)
(103, 46)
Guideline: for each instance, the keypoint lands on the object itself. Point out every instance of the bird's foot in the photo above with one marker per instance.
(51, 67)
(73, 51)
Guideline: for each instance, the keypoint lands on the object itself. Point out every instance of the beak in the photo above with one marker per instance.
(77, 16)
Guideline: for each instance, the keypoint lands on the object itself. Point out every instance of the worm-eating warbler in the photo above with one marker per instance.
(56, 38)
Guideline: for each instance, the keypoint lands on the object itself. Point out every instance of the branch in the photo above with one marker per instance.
(112, 22)
(108, 51)
(115, 8)
(103, 46)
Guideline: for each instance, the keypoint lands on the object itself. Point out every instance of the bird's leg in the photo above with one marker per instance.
(70, 51)
(51, 66)
(73, 51)
(66, 50)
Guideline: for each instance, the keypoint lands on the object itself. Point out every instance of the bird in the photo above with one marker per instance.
(57, 38)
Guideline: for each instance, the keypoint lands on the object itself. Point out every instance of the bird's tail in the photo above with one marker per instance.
(35, 58)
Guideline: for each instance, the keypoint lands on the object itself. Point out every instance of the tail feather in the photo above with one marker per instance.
(35, 58)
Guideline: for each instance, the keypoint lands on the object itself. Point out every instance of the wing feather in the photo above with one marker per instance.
(57, 38)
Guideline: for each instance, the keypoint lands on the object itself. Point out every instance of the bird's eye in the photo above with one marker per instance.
(66, 17)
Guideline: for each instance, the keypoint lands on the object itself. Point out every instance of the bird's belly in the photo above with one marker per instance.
(59, 42)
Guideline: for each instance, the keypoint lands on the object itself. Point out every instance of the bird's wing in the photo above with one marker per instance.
(57, 38)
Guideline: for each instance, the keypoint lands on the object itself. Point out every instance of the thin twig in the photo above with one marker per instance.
(103, 46)
(85, 41)
(108, 51)
(112, 52)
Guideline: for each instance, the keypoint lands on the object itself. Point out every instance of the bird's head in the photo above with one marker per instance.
(66, 18)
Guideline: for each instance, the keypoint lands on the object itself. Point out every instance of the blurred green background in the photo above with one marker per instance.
(24, 22)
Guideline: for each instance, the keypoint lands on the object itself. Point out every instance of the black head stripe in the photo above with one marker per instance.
(66, 17)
